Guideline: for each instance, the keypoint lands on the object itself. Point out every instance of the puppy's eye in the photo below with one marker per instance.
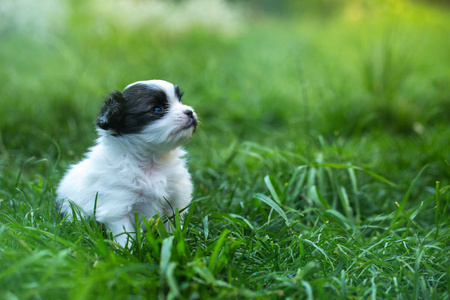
(158, 109)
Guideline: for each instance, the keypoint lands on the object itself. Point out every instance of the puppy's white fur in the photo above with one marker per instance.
(139, 172)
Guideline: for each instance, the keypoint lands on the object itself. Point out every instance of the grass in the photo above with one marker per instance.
(321, 166)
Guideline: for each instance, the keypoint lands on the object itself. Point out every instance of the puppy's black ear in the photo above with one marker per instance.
(111, 114)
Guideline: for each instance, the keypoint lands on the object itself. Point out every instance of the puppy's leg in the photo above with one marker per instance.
(122, 230)
(182, 196)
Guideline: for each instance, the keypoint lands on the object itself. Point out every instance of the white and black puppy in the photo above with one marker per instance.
(137, 164)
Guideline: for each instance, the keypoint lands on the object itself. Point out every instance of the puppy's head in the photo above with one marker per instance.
(152, 110)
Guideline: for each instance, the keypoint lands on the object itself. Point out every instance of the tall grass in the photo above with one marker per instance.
(321, 165)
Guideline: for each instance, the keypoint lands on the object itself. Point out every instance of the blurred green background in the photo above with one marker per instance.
(370, 80)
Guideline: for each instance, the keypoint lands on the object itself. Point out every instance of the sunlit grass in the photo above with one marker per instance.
(320, 165)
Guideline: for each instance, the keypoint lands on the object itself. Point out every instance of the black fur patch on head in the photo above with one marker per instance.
(179, 93)
(130, 111)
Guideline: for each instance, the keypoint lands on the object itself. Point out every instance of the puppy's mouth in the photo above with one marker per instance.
(192, 123)
(190, 127)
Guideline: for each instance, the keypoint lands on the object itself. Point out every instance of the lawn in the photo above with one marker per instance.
(321, 166)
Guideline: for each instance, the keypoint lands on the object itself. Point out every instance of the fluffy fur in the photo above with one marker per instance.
(137, 164)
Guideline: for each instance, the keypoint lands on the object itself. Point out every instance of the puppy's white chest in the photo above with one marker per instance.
(152, 184)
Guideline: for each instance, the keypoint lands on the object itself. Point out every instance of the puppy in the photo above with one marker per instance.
(137, 164)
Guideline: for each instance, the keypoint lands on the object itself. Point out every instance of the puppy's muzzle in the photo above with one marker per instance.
(193, 121)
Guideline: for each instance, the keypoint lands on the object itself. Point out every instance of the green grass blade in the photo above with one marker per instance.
(316, 197)
(188, 217)
(437, 218)
(166, 252)
(273, 205)
(419, 254)
(320, 250)
(345, 202)
(271, 188)
(217, 248)
(405, 199)
(308, 289)
(159, 224)
(171, 280)
(347, 166)
(205, 227)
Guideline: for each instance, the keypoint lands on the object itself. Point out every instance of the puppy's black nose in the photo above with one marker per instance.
(189, 113)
